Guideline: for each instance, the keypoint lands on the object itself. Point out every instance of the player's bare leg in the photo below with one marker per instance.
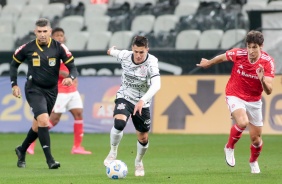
(256, 147)
(142, 146)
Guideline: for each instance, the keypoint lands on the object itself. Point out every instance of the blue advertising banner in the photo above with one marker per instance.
(98, 95)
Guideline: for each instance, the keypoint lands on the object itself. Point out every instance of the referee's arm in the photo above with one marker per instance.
(14, 72)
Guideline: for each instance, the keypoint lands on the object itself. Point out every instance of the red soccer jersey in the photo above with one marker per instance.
(62, 88)
(244, 82)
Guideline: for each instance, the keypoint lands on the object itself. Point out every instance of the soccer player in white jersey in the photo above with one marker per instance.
(140, 81)
(252, 73)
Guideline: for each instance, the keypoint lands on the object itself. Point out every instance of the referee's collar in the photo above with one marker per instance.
(50, 40)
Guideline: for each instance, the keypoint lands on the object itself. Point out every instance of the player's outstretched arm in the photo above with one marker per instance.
(110, 49)
(207, 63)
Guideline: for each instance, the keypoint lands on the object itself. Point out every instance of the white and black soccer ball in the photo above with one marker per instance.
(117, 169)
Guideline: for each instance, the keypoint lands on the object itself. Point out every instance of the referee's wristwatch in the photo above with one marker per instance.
(72, 77)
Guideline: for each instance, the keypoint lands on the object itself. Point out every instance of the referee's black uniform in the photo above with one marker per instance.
(41, 87)
(43, 72)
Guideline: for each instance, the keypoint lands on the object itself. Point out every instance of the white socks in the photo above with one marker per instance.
(141, 150)
(116, 136)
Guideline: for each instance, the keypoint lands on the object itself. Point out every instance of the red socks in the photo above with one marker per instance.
(235, 135)
(255, 152)
(78, 132)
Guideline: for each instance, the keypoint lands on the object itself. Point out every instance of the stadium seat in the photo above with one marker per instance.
(210, 39)
(184, 9)
(12, 11)
(121, 39)
(99, 41)
(130, 2)
(219, 1)
(231, 38)
(17, 2)
(138, 23)
(153, 2)
(6, 25)
(261, 2)
(72, 24)
(187, 39)
(165, 23)
(33, 10)
(85, 2)
(247, 7)
(53, 10)
(97, 24)
(38, 2)
(77, 41)
(94, 10)
(24, 26)
(195, 2)
(274, 5)
(7, 42)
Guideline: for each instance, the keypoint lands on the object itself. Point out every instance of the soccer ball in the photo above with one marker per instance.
(117, 169)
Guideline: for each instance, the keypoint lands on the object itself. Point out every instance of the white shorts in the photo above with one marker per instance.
(253, 109)
(67, 101)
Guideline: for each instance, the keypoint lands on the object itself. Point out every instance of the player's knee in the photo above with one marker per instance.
(119, 124)
(143, 141)
(77, 114)
(256, 140)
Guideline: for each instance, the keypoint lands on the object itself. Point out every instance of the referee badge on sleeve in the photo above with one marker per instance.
(52, 61)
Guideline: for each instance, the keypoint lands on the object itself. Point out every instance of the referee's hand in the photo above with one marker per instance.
(16, 91)
(67, 81)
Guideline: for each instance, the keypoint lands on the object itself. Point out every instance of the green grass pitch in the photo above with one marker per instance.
(170, 159)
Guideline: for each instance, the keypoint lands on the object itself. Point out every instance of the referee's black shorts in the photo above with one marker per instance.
(41, 100)
(142, 123)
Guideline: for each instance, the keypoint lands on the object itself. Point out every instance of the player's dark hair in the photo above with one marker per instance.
(58, 29)
(42, 22)
(140, 41)
(255, 37)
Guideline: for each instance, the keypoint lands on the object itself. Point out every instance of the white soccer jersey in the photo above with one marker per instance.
(135, 78)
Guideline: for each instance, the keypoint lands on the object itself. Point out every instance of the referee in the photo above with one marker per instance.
(42, 56)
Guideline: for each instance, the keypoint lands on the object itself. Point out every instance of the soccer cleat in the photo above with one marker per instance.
(21, 157)
(53, 164)
(80, 150)
(30, 149)
(139, 169)
(254, 167)
(229, 156)
(111, 156)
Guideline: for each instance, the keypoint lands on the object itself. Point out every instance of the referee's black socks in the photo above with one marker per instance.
(44, 138)
(31, 136)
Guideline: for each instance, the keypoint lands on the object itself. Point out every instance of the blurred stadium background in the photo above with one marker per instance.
(180, 33)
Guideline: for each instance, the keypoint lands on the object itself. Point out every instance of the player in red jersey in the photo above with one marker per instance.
(68, 99)
(252, 73)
